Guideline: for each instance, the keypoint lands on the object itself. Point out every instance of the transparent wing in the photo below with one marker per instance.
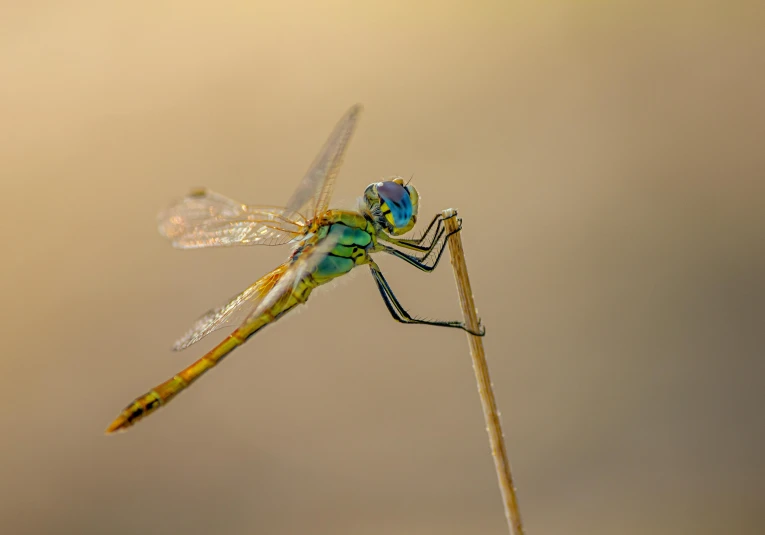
(259, 297)
(313, 194)
(207, 219)
(310, 256)
(234, 311)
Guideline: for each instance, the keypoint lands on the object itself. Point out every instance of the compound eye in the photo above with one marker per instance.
(398, 202)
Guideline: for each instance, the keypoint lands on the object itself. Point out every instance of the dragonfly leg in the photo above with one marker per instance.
(400, 314)
(417, 243)
(423, 263)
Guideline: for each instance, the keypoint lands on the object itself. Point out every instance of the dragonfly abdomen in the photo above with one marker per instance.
(161, 394)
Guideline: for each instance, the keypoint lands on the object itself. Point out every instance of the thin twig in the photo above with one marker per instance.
(490, 413)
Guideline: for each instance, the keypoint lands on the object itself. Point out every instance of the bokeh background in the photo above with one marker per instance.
(607, 158)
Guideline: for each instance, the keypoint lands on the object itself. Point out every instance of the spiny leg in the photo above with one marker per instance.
(416, 244)
(422, 262)
(400, 314)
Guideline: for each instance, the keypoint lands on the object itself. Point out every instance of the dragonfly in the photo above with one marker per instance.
(326, 244)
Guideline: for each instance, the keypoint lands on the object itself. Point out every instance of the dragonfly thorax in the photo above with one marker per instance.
(392, 205)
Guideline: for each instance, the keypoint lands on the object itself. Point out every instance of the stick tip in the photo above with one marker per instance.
(449, 212)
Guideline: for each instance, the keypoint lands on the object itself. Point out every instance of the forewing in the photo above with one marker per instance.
(234, 311)
(207, 219)
(313, 194)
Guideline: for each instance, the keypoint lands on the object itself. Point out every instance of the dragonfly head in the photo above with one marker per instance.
(393, 205)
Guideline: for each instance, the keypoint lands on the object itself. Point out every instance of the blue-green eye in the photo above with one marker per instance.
(397, 199)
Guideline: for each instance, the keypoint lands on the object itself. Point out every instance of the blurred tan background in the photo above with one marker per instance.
(607, 158)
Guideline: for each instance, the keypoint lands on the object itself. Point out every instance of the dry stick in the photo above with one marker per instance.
(493, 426)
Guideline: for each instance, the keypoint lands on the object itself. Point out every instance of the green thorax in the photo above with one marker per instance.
(356, 237)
